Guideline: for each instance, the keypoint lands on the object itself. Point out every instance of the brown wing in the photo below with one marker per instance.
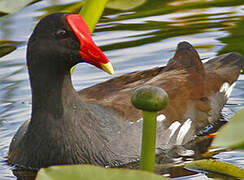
(191, 86)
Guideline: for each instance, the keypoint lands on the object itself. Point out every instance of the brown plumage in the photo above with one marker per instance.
(189, 84)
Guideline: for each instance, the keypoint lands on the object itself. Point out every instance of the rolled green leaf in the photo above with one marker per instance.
(92, 11)
(150, 99)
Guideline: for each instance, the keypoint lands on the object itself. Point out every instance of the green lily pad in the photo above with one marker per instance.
(217, 167)
(12, 6)
(124, 4)
(4, 50)
(7, 47)
(93, 172)
(73, 7)
(231, 135)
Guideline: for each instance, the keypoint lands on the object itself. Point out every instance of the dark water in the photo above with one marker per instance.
(133, 39)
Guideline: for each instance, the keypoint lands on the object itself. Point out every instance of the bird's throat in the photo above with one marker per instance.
(50, 96)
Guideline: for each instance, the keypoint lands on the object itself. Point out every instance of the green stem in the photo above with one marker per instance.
(92, 11)
(148, 141)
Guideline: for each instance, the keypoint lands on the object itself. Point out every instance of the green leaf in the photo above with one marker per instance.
(124, 4)
(231, 135)
(73, 7)
(12, 6)
(217, 167)
(93, 172)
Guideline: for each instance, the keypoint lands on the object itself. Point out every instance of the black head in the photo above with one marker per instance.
(60, 41)
(53, 43)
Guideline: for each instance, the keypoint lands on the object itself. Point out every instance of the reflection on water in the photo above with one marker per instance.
(133, 39)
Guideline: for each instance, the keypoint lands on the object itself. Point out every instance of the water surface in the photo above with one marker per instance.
(133, 39)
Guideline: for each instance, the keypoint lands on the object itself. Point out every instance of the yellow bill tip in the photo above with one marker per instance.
(108, 68)
(72, 69)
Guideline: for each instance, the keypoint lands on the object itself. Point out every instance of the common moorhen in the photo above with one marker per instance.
(98, 125)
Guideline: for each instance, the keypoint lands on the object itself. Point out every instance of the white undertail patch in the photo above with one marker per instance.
(173, 127)
(183, 131)
(225, 86)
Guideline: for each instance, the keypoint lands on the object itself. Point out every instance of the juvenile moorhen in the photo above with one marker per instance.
(98, 125)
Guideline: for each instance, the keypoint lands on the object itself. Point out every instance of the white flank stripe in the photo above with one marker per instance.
(225, 86)
(229, 90)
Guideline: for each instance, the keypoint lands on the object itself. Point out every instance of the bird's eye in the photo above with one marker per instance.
(61, 33)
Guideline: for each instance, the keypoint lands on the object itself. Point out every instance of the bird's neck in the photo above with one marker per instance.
(62, 120)
(52, 91)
